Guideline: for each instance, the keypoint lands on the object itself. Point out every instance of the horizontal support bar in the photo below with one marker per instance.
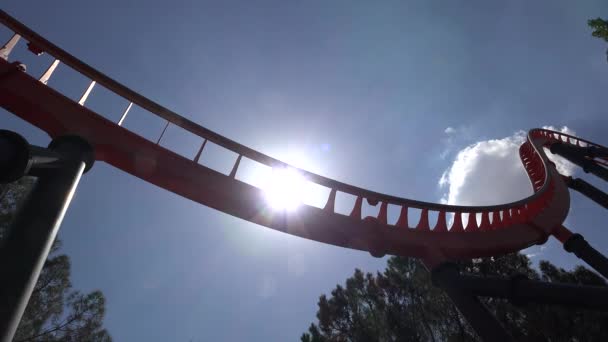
(477, 314)
(520, 290)
(20, 159)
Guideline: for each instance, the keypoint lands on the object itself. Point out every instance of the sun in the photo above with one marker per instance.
(285, 189)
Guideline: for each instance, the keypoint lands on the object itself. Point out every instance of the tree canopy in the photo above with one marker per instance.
(401, 304)
(55, 312)
(600, 29)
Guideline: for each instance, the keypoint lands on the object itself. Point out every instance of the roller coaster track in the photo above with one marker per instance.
(501, 228)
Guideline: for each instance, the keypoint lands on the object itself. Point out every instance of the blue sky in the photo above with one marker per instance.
(359, 91)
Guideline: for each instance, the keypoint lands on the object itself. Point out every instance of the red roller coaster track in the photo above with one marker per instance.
(501, 229)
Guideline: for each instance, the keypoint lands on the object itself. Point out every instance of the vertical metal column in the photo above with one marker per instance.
(28, 243)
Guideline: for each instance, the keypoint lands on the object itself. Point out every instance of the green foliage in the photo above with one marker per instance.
(401, 304)
(11, 197)
(600, 28)
(55, 312)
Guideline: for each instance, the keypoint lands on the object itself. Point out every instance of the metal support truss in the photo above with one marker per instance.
(519, 290)
(583, 157)
(22, 255)
(446, 276)
(581, 248)
(593, 193)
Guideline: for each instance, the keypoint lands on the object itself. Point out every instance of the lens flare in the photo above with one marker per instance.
(285, 189)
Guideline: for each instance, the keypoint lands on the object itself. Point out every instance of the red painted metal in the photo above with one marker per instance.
(402, 221)
(441, 225)
(383, 213)
(356, 213)
(524, 223)
(562, 234)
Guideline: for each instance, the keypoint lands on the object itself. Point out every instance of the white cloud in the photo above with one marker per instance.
(535, 251)
(453, 137)
(490, 172)
(563, 166)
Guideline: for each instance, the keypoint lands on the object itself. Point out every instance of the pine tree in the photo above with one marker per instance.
(401, 304)
(55, 312)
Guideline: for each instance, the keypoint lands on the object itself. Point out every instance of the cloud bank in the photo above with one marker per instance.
(489, 172)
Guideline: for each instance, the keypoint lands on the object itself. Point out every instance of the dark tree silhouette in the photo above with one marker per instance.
(401, 304)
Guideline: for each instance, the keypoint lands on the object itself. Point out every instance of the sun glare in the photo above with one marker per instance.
(284, 189)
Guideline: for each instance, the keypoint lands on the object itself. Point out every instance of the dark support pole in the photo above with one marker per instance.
(580, 247)
(595, 194)
(29, 241)
(446, 277)
(597, 152)
(520, 290)
(580, 156)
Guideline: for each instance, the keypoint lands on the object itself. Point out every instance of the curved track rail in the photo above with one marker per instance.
(501, 228)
